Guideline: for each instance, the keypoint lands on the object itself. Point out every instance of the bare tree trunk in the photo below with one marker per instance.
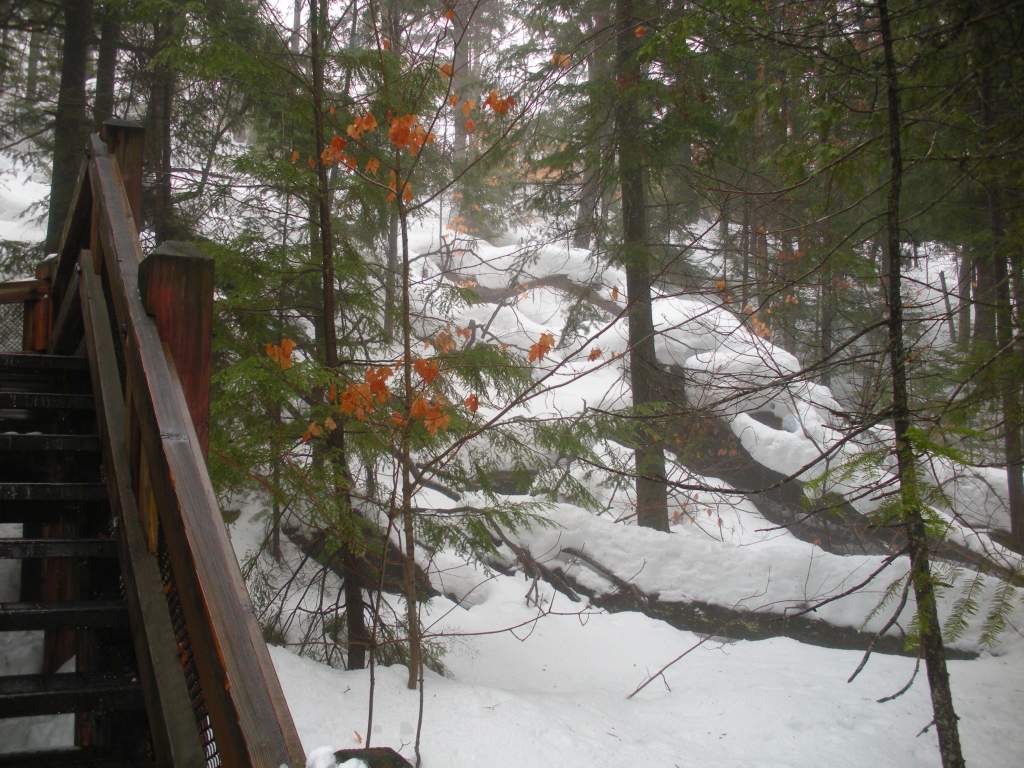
(355, 620)
(828, 312)
(158, 130)
(106, 63)
(917, 539)
(651, 490)
(964, 274)
(35, 46)
(71, 125)
(1009, 368)
(391, 277)
(598, 76)
(405, 449)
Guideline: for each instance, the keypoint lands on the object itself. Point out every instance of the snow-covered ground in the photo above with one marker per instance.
(547, 686)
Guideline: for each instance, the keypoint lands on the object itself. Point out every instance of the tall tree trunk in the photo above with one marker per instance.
(651, 490)
(355, 620)
(1008, 370)
(828, 313)
(405, 452)
(917, 539)
(158, 130)
(106, 63)
(598, 77)
(35, 47)
(391, 277)
(71, 126)
(964, 274)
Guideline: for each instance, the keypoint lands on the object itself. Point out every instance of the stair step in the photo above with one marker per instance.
(47, 548)
(83, 613)
(15, 442)
(68, 758)
(19, 361)
(52, 492)
(49, 401)
(24, 695)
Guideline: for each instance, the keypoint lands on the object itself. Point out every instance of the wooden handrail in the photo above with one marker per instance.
(235, 694)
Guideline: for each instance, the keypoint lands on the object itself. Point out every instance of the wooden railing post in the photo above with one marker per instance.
(37, 318)
(126, 141)
(176, 286)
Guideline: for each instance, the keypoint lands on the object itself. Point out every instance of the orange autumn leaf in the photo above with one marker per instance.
(465, 333)
(498, 104)
(453, 100)
(332, 393)
(419, 408)
(397, 420)
(639, 31)
(595, 353)
(406, 193)
(330, 424)
(377, 381)
(443, 342)
(311, 163)
(372, 166)
(446, 69)
(470, 125)
(436, 420)
(281, 353)
(294, 156)
(449, 14)
(427, 369)
(473, 403)
(357, 401)
(400, 131)
(561, 60)
(313, 430)
(542, 347)
(467, 107)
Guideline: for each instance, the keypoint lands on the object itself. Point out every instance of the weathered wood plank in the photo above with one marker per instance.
(234, 657)
(17, 291)
(168, 707)
(125, 140)
(67, 327)
(75, 613)
(76, 233)
(22, 695)
(176, 285)
(46, 548)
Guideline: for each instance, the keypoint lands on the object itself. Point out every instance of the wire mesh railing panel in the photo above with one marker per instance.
(11, 326)
(188, 663)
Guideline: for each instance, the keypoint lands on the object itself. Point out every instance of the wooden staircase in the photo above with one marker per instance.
(50, 486)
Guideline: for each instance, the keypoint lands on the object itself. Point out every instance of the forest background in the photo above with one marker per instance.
(366, 173)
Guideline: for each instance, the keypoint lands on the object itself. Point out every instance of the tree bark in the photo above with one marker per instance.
(71, 126)
(651, 490)
(598, 76)
(355, 620)
(35, 45)
(917, 540)
(158, 131)
(964, 273)
(106, 64)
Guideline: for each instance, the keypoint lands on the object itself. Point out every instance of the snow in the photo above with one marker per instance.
(554, 693)
(18, 192)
